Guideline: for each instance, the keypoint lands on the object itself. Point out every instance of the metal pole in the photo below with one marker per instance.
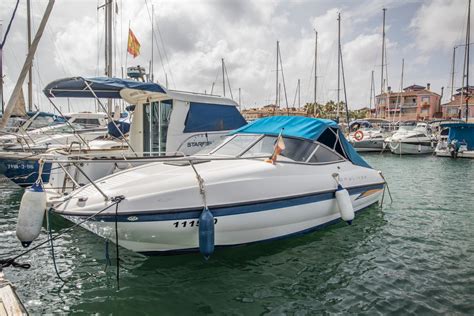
(468, 38)
(315, 68)
(30, 72)
(223, 77)
(240, 98)
(29, 58)
(338, 64)
(152, 43)
(1, 66)
(299, 93)
(401, 90)
(371, 88)
(452, 72)
(383, 53)
(277, 85)
(108, 46)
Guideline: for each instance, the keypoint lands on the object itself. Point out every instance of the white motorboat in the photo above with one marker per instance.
(368, 135)
(412, 140)
(367, 140)
(53, 135)
(459, 142)
(231, 191)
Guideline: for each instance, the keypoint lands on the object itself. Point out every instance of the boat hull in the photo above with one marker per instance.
(369, 145)
(403, 148)
(461, 154)
(171, 232)
(24, 172)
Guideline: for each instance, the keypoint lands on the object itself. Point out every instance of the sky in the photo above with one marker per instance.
(192, 36)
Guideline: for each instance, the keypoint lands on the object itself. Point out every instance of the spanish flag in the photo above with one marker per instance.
(279, 147)
(133, 46)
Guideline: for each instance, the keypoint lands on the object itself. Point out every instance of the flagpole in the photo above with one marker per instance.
(126, 51)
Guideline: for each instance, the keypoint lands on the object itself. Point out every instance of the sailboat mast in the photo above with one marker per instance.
(1, 66)
(30, 73)
(299, 93)
(315, 68)
(277, 85)
(223, 76)
(452, 71)
(152, 76)
(468, 38)
(108, 46)
(401, 90)
(383, 52)
(338, 64)
(371, 89)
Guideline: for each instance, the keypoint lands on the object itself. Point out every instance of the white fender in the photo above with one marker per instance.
(31, 214)
(344, 203)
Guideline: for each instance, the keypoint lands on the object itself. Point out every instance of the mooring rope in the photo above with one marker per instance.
(12, 261)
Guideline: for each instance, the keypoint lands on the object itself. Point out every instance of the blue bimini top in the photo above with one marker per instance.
(321, 130)
(103, 87)
(462, 132)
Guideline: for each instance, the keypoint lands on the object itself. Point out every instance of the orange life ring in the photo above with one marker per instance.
(359, 135)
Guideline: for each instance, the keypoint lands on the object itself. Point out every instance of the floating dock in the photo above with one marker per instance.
(10, 304)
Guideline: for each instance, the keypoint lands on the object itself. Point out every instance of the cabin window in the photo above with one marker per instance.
(87, 121)
(156, 118)
(41, 121)
(205, 117)
(323, 154)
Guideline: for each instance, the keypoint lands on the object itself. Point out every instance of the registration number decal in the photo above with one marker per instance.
(189, 223)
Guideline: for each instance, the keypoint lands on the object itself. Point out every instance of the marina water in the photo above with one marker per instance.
(413, 256)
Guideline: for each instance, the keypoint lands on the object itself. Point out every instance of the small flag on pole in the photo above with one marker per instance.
(133, 46)
(279, 147)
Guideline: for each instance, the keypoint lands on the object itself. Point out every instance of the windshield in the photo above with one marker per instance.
(295, 149)
(236, 145)
(262, 146)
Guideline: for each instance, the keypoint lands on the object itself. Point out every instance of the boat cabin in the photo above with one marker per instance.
(163, 122)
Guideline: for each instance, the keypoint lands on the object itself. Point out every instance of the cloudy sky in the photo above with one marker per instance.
(195, 35)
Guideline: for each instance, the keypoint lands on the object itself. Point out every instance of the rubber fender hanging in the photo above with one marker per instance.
(31, 214)
(344, 203)
(206, 233)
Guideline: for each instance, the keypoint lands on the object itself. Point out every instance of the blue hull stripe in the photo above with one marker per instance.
(256, 206)
(300, 233)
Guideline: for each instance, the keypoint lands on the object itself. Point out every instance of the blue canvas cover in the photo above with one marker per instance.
(462, 132)
(103, 87)
(302, 127)
(295, 126)
(206, 117)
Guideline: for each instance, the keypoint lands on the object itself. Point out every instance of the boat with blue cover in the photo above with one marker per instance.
(459, 143)
(272, 178)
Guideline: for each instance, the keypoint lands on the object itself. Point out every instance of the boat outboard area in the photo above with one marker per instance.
(162, 123)
(273, 178)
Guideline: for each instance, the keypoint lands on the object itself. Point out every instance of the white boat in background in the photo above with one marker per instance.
(78, 123)
(232, 190)
(163, 123)
(368, 135)
(412, 140)
(459, 142)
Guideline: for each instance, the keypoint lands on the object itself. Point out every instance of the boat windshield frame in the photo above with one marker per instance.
(259, 137)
